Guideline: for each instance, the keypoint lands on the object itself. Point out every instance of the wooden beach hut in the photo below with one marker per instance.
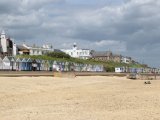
(42, 68)
(24, 64)
(34, 65)
(62, 66)
(66, 67)
(81, 66)
(71, 66)
(38, 64)
(1, 63)
(76, 67)
(12, 63)
(119, 69)
(6, 63)
(50, 65)
(59, 64)
(84, 68)
(29, 64)
(18, 64)
(100, 68)
(46, 65)
(55, 66)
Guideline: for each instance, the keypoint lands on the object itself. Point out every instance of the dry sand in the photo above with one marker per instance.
(81, 98)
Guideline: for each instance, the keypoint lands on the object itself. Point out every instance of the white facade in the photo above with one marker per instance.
(77, 53)
(3, 42)
(119, 69)
(126, 60)
(14, 49)
(37, 50)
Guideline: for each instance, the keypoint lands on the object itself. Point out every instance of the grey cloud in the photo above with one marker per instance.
(135, 23)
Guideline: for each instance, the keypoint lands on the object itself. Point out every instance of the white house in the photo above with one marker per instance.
(33, 50)
(77, 53)
(126, 60)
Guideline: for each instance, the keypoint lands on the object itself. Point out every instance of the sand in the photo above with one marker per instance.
(80, 98)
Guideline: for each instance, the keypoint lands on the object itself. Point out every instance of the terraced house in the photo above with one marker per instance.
(106, 56)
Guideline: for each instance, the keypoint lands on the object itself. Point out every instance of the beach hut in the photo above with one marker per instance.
(55, 66)
(66, 66)
(119, 69)
(24, 64)
(59, 66)
(63, 66)
(12, 63)
(6, 63)
(18, 64)
(71, 66)
(1, 63)
(81, 65)
(50, 65)
(34, 65)
(38, 61)
(47, 65)
(42, 65)
(101, 68)
(89, 68)
(78, 67)
(84, 68)
(29, 64)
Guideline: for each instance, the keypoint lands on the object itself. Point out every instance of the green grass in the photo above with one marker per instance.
(109, 66)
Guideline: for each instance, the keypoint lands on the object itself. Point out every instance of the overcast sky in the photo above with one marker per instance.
(127, 27)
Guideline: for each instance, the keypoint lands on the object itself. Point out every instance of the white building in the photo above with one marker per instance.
(3, 42)
(77, 53)
(33, 50)
(119, 69)
(126, 60)
(7, 46)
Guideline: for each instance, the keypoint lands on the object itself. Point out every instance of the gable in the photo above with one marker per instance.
(5, 59)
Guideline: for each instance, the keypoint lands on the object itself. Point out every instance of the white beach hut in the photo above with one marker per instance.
(38, 61)
(18, 64)
(1, 63)
(6, 63)
(119, 69)
(42, 65)
(12, 63)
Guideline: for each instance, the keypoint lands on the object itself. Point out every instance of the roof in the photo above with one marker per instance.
(11, 58)
(101, 53)
(21, 47)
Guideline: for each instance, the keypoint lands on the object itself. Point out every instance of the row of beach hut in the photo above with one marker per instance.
(28, 64)
(136, 70)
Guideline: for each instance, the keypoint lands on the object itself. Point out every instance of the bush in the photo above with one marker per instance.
(58, 55)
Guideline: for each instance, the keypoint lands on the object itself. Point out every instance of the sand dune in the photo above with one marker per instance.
(80, 98)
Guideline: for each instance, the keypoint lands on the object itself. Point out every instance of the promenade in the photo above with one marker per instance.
(51, 73)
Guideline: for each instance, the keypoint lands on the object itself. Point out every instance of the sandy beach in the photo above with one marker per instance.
(80, 98)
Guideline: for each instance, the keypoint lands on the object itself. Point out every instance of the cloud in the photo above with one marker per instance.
(130, 27)
(115, 46)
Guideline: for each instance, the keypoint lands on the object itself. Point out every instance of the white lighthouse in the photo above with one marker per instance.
(14, 49)
(3, 42)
